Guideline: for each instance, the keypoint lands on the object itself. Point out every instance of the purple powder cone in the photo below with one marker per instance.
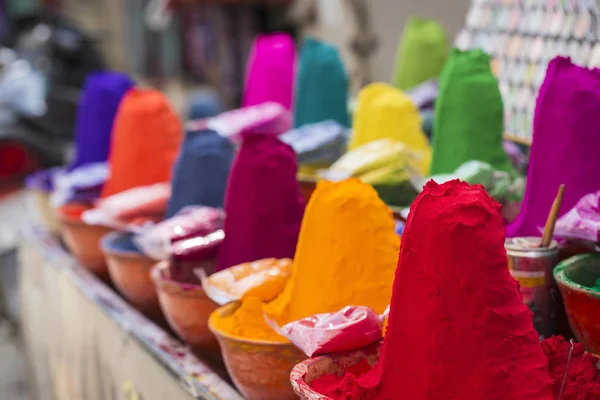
(566, 144)
(263, 204)
(100, 99)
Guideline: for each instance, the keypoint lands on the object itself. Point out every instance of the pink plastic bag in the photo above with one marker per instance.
(131, 210)
(582, 221)
(270, 118)
(350, 328)
(190, 222)
(270, 71)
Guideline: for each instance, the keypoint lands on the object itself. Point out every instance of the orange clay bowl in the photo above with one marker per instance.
(129, 270)
(304, 373)
(260, 369)
(83, 240)
(187, 309)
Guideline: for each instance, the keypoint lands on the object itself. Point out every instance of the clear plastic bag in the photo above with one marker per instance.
(264, 279)
(190, 222)
(132, 210)
(582, 221)
(351, 328)
(82, 185)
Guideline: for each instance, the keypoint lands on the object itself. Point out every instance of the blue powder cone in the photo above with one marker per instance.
(204, 104)
(201, 171)
(100, 99)
(321, 85)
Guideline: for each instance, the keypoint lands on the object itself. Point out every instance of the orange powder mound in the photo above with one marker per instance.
(346, 255)
(248, 322)
(146, 137)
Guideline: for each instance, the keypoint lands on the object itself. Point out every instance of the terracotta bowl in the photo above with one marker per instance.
(304, 373)
(307, 187)
(83, 240)
(130, 272)
(187, 309)
(260, 369)
(48, 216)
(575, 277)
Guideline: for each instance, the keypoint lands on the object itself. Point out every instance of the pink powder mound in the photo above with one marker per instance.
(263, 204)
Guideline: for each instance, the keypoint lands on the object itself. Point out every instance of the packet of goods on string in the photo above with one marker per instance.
(82, 185)
(351, 328)
(191, 222)
(132, 210)
(264, 279)
(269, 117)
(582, 221)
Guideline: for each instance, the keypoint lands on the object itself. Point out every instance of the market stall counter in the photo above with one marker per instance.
(83, 341)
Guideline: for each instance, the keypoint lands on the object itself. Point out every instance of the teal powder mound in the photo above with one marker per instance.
(263, 204)
(469, 115)
(321, 85)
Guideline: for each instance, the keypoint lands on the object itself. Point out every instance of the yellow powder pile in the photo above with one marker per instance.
(384, 112)
(346, 255)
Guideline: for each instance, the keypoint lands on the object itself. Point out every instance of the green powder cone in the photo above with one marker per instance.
(469, 115)
(422, 52)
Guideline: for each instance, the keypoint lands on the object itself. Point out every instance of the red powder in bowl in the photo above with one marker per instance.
(458, 328)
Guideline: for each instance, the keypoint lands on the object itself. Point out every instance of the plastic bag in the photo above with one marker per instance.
(197, 248)
(190, 222)
(318, 143)
(350, 328)
(582, 221)
(81, 185)
(268, 117)
(264, 279)
(132, 210)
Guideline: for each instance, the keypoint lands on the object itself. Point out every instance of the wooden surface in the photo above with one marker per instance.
(83, 342)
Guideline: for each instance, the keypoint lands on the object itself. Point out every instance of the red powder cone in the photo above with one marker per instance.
(458, 328)
(146, 137)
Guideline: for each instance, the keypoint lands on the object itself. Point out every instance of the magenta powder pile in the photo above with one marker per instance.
(263, 204)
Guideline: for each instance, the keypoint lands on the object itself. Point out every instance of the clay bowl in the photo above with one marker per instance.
(304, 373)
(129, 270)
(187, 309)
(575, 277)
(307, 186)
(83, 240)
(260, 369)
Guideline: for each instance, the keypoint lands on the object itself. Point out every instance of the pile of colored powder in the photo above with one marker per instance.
(100, 99)
(346, 255)
(469, 115)
(263, 204)
(204, 104)
(458, 328)
(201, 171)
(146, 137)
(422, 51)
(321, 85)
(566, 144)
(384, 112)
(270, 71)
(583, 376)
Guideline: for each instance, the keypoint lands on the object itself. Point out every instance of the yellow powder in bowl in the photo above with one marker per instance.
(346, 255)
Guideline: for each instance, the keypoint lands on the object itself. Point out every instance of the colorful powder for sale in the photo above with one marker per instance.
(458, 328)
(263, 203)
(270, 71)
(583, 376)
(347, 253)
(147, 134)
(100, 99)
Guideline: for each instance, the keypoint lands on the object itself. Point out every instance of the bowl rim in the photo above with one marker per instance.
(160, 281)
(65, 218)
(230, 308)
(561, 278)
(298, 375)
(109, 251)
